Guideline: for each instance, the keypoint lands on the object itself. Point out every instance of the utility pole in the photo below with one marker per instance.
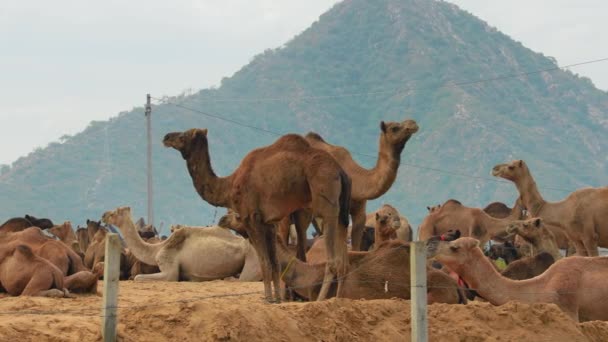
(149, 161)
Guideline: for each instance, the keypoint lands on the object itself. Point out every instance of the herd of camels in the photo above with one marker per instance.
(279, 190)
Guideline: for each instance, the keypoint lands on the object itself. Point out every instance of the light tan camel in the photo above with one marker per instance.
(433, 208)
(474, 222)
(404, 232)
(65, 234)
(574, 284)
(82, 236)
(271, 183)
(382, 273)
(23, 273)
(582, 216)
(540, 238)
(190, 254)
(370, 184)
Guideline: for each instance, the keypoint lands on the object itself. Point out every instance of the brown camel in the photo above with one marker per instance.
(83, 239)
(24, 273)
(65, 234)
(470, 221)
(77, 277)
(371, 275)
(573, 284)
(582, 216)
(17, 224)
(190, 254)
(386, 224)
(528, 267)
(540, 238)
(370, 184)
(433, 208)
(404, 232)
(271, 183)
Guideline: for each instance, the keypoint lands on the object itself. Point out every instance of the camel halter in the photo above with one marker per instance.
(293, 258)
(538, 210)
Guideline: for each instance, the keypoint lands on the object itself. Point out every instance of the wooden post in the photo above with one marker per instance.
(110, 287)
(418, 291)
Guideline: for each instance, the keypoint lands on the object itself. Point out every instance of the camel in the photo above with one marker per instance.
(404, 232)
(302, 177)
(96, 253)
(386, 224)
(371, 275)
(65, 234)
(77, 277)
(573, 284)
(24, 273)
(528, 267)
(136, 266)
(17, 224)
(370, 184)
(470, 221)
(189, 254)
(82, 237)
(540, 238)
(582, 216)
(506, 251)
(433, 208)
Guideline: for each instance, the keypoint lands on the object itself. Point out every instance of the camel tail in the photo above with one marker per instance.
(344, 199)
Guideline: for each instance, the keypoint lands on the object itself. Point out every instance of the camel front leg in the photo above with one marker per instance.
(337, 258)
(357, 212)
(168, 272)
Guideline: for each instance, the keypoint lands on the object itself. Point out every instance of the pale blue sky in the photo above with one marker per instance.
(67, 62)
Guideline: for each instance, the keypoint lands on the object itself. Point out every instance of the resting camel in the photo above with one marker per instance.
(17, 224)
(404, 232)
(582, 216)
(24, 273)
(573, 284)
(189, 254)
(65, 234)
(470, 221)
(540, 238)
(271, 183)
(372, 275)
(370, 184)
(528, 267)
(77, 277)
(387, 222)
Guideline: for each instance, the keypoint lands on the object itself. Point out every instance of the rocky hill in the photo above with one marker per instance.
(361, 62)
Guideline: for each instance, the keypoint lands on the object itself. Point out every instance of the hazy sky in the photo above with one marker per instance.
(65, 63)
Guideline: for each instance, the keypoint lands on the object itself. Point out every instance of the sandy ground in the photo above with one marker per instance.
(214, 311)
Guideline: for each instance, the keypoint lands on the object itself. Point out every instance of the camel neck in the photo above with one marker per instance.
(494, 226)
(481, 276)
(213, 189)
(373, 183)
(528, 191)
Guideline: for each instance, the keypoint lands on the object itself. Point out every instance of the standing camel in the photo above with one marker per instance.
(271, 183)
(368, 184)
(583, 215)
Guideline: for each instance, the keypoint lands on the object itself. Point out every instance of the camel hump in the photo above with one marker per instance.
(177, 239)
(314, 136)
(452, 201)
(24, 250)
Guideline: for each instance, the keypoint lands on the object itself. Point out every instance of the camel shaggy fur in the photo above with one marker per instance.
(271, 183)
(573, 284)
(582, 216)
(189, 254)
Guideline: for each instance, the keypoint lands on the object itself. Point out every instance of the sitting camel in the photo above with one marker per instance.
(77, 278)
(540, 238)
(303, 177)
(582, 216)
(404, 232)
(528, 267)
(570, 283)
(189, 254)
(371, 275)
(386, 224)
(472, 222)
(24, 274)
(17, 224)
(65, 234)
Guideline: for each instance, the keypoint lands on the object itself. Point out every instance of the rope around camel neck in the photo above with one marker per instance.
(293, 258)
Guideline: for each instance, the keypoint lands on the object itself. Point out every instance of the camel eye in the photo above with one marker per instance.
(454, 249)
(511, 168)
(395, 129)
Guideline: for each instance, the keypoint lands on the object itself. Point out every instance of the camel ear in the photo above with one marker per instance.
(428, 208)
(457, 234)
(537, 222)
(377, 216)
(204, 131)
(520, 163)
(383, 126)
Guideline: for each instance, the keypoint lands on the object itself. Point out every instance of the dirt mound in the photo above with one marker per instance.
(213, 311)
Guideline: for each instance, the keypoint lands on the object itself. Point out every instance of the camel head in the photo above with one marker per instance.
(398, 133)
(175, 227)
(510, 171)
(232, 220)
(530, 229)
(186, 141)
(454, 254)
(61, 231)
(388, 216)
(117, 217)
(433, 208)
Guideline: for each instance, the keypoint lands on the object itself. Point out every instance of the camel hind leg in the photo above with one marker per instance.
(40, 285)
(357, 212)
(335, 244)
